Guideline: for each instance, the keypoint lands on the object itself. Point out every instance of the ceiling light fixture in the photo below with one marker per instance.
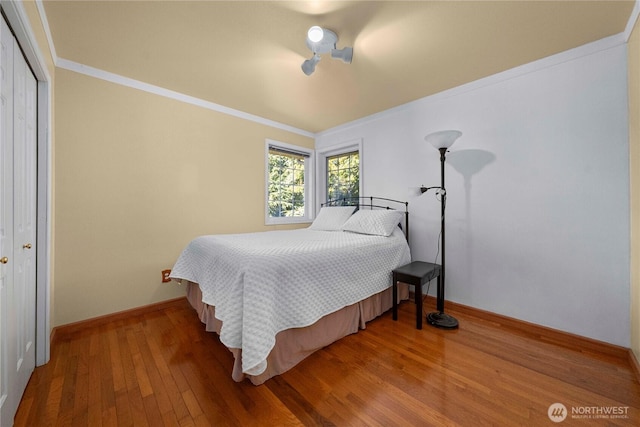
(319, 41)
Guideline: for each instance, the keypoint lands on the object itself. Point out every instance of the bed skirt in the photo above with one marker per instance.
(294, 345)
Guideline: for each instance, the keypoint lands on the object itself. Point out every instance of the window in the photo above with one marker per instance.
(289, 183)
(346, 179)
(343, 175)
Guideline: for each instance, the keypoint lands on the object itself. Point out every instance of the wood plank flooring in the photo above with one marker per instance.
(161, 368)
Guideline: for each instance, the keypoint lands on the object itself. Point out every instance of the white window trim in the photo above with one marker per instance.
(321, 165)
(309, 184)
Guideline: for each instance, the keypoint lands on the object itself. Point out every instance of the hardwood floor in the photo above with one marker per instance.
(161, 368)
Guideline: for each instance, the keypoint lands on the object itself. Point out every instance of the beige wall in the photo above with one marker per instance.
(634, 155)
(137, 177)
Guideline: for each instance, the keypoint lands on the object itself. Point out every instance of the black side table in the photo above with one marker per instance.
(417, 274)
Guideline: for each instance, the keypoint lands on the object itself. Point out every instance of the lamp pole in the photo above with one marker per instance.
(443, 202)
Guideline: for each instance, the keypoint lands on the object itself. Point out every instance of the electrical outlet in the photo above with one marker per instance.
(165, 276)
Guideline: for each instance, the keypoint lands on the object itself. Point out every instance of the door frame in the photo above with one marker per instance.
(19, 22)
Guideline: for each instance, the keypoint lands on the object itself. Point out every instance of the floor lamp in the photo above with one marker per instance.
(442, 141)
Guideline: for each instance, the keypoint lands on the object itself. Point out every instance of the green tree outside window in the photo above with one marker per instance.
(343, 176)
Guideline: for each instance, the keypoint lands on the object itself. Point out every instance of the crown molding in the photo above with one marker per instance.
(167, 93)
(632, 20)
(550, 61)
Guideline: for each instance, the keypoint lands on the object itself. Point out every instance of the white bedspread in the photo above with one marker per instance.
(263, 283)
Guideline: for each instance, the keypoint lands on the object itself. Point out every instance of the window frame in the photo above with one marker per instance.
(321, 165)
(309, 183)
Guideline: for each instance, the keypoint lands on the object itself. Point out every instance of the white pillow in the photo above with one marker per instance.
(332, 218)
(376, 222)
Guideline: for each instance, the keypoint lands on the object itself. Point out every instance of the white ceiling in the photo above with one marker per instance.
(247, 55)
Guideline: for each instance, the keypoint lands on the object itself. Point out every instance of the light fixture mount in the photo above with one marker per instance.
(320, 41)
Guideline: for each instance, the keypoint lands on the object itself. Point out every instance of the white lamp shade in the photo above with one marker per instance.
(315, 34)
(443, 139)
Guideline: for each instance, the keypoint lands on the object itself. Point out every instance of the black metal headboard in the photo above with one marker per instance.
(368, 202)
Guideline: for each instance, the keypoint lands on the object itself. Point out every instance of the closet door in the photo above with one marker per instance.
(24, 216)
(7, 407)
(18, 134)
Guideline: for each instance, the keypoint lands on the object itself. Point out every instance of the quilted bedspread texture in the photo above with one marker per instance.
(263, 283)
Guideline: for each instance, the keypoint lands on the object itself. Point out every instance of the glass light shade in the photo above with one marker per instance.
(315, 34)
(443, 139)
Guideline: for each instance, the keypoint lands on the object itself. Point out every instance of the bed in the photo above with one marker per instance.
(275, 297)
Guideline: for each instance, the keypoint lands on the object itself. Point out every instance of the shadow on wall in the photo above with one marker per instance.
(469, 163)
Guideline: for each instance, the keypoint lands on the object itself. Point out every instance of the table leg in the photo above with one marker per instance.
(418, 295)
(395, 297)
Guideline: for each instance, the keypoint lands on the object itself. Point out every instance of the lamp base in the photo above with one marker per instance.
(442, 320)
